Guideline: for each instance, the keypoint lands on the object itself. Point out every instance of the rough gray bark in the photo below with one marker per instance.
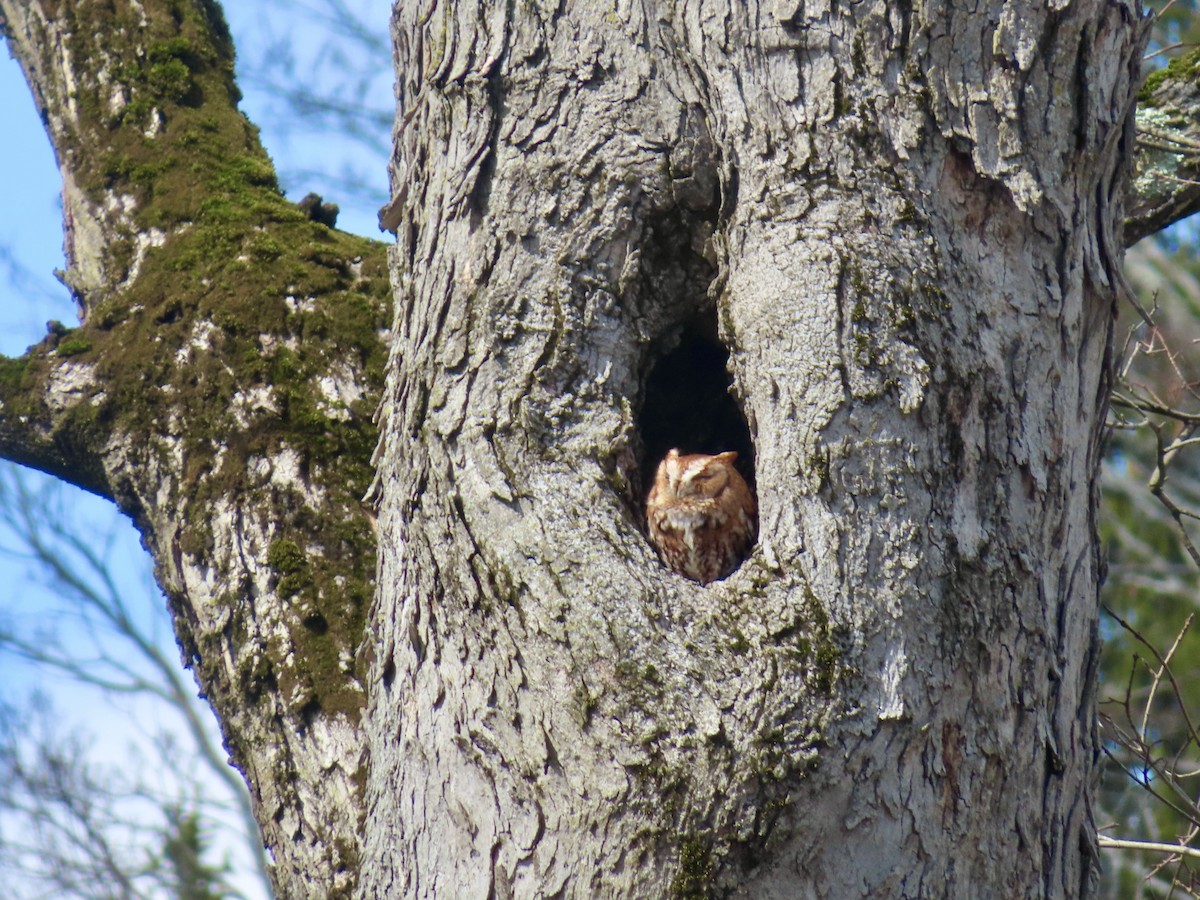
(906, 222)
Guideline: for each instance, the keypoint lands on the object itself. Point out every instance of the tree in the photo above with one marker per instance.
(906, 252)
(81, 837)
(282, 367)
(95, 629)
(122, 610)
(1150, 655)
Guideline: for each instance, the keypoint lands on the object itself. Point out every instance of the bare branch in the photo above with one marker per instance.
(1149, 846)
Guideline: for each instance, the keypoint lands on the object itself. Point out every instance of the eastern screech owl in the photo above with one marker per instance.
(701, 514)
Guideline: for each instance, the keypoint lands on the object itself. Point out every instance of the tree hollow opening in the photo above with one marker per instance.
(689, 405)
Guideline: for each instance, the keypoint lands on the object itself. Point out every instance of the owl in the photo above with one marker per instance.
(701, 514)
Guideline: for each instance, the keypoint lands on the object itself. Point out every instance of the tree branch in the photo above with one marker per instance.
(49, 412)
(221, 391)
(1149, 846)
(1166, 183)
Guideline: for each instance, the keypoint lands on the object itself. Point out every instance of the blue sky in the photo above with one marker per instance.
(30, 222)
(31, 249)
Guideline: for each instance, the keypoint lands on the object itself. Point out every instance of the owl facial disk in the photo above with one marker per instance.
(701, 480)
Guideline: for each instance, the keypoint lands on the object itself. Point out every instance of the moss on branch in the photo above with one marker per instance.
(1164, 188)
(227, 372)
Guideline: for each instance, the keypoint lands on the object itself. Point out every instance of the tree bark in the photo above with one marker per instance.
(899, 228)
(904, 224)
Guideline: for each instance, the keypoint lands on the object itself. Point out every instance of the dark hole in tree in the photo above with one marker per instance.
(688, 404)
(310, 711)
(316, 623)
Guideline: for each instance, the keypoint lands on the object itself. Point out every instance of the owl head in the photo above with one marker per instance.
(695, 475)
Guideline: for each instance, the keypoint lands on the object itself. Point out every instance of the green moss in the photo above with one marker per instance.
(858, 314)
(1150, 85)
(841, 102)
(348, 855)
(903, 314)
(125, 168)
(73, 345)
(740, 644)
(13, 372)
(163, 77)
(1184, 68)
(858, 281)
(773, 738)
(827, 658)
(286, 557)
(177, 48)
(693, 878)
(584, 705)
(865, 353)
(128, 72)
(170, 80)
(265, 248)
(824, 654)
(809, 643)
(19, 390)
(817, 466)
(290, 563)
(197, 540)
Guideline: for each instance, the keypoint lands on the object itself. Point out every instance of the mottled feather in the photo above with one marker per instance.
(701, 514)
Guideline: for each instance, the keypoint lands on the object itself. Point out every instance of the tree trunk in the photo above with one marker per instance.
(902, 226)
(896, 228)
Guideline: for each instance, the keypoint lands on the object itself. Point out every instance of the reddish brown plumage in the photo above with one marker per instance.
(701, 514)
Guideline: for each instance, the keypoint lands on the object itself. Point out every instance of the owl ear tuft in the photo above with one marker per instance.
(728, 456)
